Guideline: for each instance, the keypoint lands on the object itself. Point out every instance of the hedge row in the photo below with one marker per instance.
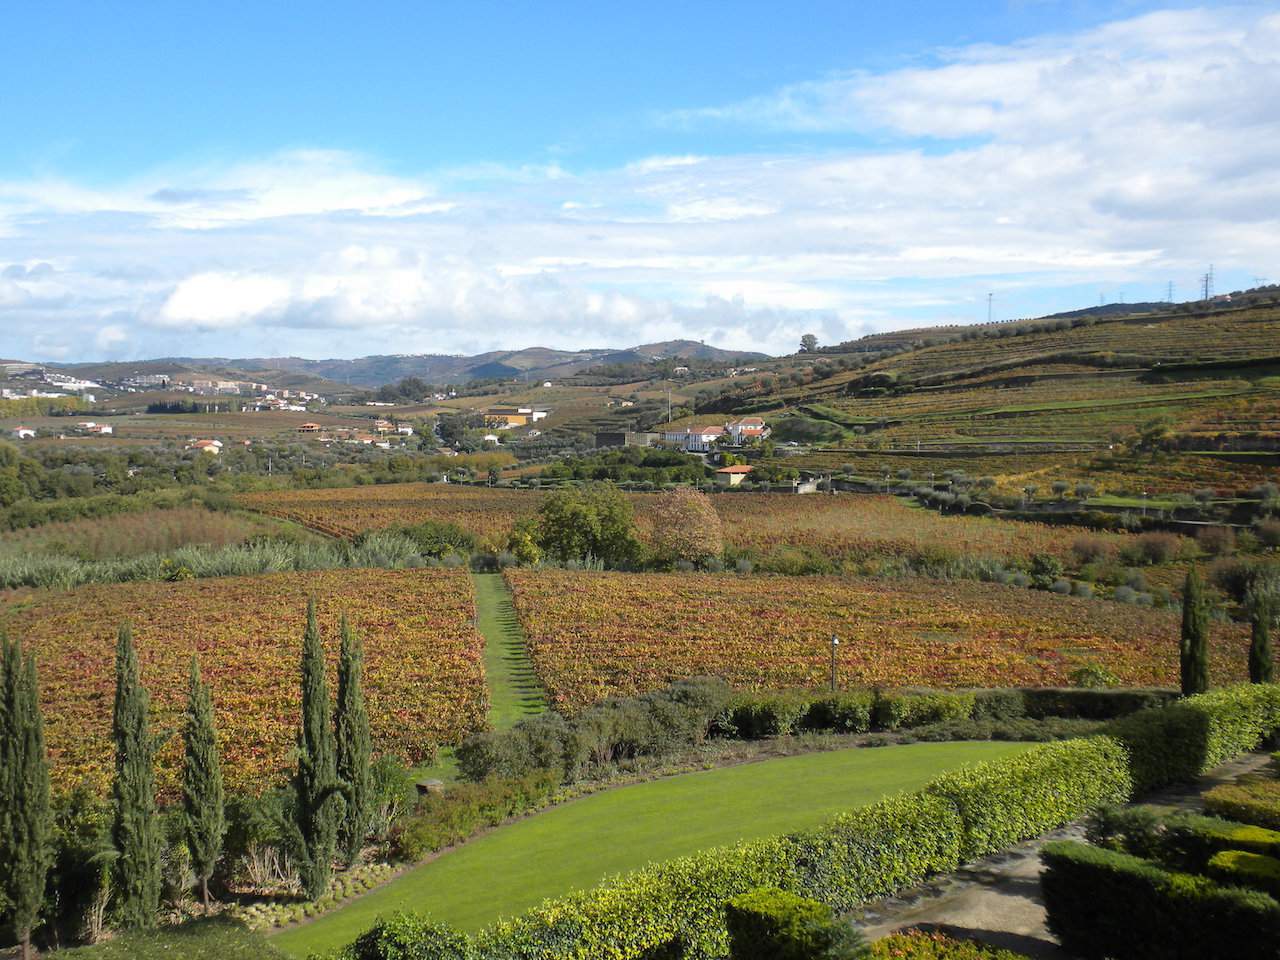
(665, 721)
(1102, 903)
(1189, 738)
(867, 853)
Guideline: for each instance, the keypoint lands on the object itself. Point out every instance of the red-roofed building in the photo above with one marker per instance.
(746, 429)
(732, 476)
(695, 439)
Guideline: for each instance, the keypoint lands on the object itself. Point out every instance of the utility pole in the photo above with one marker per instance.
(1206, 283)
(1169, 293)
(989, 297)
(835, 642)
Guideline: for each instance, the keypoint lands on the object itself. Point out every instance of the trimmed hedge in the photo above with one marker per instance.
(1250, 801)
(1104, 904)
(1189, 738)
(772, 924)
(1089, 704)
(407, 936)
(1180, 841)
(1244, 869)
(919, 945)
(897, 709)
(1012, 800)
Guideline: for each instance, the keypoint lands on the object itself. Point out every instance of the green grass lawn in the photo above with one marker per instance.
(514, 691)
(198, 940)
(579, 844)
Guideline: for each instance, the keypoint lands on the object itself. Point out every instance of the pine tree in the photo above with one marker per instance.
(26, 818)
(318, 797)
(1261, 603)
(354, 747)
(135, 828)
(1195, 636)
(203, 812)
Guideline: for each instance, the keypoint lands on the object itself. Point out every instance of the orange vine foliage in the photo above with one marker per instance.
(424, 675)
(596, 634)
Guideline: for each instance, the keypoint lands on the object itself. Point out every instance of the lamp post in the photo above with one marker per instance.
(835, 642)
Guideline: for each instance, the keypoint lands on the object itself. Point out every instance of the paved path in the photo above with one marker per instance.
(997, 900)
(514, 690)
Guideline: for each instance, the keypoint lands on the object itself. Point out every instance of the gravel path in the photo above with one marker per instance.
(997, 899)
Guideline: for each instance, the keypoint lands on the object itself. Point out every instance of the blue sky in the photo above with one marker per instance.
(339, 179)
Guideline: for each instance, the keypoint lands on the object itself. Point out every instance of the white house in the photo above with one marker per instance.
(23, 433)
(746, 429)
(694, 439)
(404, 430)
(206, 446)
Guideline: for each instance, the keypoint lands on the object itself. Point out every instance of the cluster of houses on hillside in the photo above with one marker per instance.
(380, 436)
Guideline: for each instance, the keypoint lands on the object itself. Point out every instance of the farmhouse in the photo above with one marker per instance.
(504, 418)
(23, 433)
(745, 429)
(404, 430)
(309, 428)
(206, 446)
(732, 476)
(695, 439)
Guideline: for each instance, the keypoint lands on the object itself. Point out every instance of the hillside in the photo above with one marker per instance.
(1166, 400)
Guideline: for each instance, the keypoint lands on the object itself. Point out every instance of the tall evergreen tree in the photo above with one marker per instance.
(135, 828)
(26, 818)
(318, 797)
(1262, 604)
(354, 746)
(1194, 647)
(204, 819)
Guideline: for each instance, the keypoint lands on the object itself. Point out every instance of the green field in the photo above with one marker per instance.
(196, 940)
(581, 843)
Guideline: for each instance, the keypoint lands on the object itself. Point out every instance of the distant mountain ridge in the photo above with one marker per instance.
(534, 363)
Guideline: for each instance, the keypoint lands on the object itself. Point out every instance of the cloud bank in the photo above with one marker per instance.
(1128, 154)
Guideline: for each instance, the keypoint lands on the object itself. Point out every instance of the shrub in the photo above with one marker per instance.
(904, 708)
(844, 712)
(1244, 869)
(1152, 548)
(1045, 570)
(1093, 676)
(1106, 904)
(1216, 541)
(1189, 738)
(921, 945)
(1092, 703)
(406, 936)
(772, 924)
(1021, 797)
(1190, 841)
(768, 714)
(1256, 802)
(1124, 594)
(1061, 587)
(444, 819)
(998, 704)
(1091, 550)
(1268, 533)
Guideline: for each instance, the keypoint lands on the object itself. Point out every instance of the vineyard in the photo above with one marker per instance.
(596, 634)
(424, 679)
(843, 529)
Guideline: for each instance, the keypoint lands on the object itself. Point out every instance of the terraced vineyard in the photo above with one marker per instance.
(424, 678)
(596, 634)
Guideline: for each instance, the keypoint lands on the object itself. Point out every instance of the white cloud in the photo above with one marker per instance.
(1133, 153)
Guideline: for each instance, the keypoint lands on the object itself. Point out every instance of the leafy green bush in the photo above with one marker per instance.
(406, 936)
(1248, 801)
(1189, 841)
(772, 924)
(1244, 869)
(1010, 800)
(1005, 704)
(444, 819)
(767, 714)
(1092, 703)
(1107, 904)
(906, 708)
(1186, 739)
(843, 712)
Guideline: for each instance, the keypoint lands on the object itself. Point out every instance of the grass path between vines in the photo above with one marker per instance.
(578, 844)
(514, 690)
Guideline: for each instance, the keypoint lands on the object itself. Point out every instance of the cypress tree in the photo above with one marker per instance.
(26, 820)
(1261, 604)
(1195, 636)
(204, 819)
(318, 798)
(135, 828)
(354, 747)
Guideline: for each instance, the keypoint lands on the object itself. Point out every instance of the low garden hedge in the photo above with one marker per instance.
(1106, 904)
(772, 924)
(1244, 869)
(919, 945)
(1255, 802)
